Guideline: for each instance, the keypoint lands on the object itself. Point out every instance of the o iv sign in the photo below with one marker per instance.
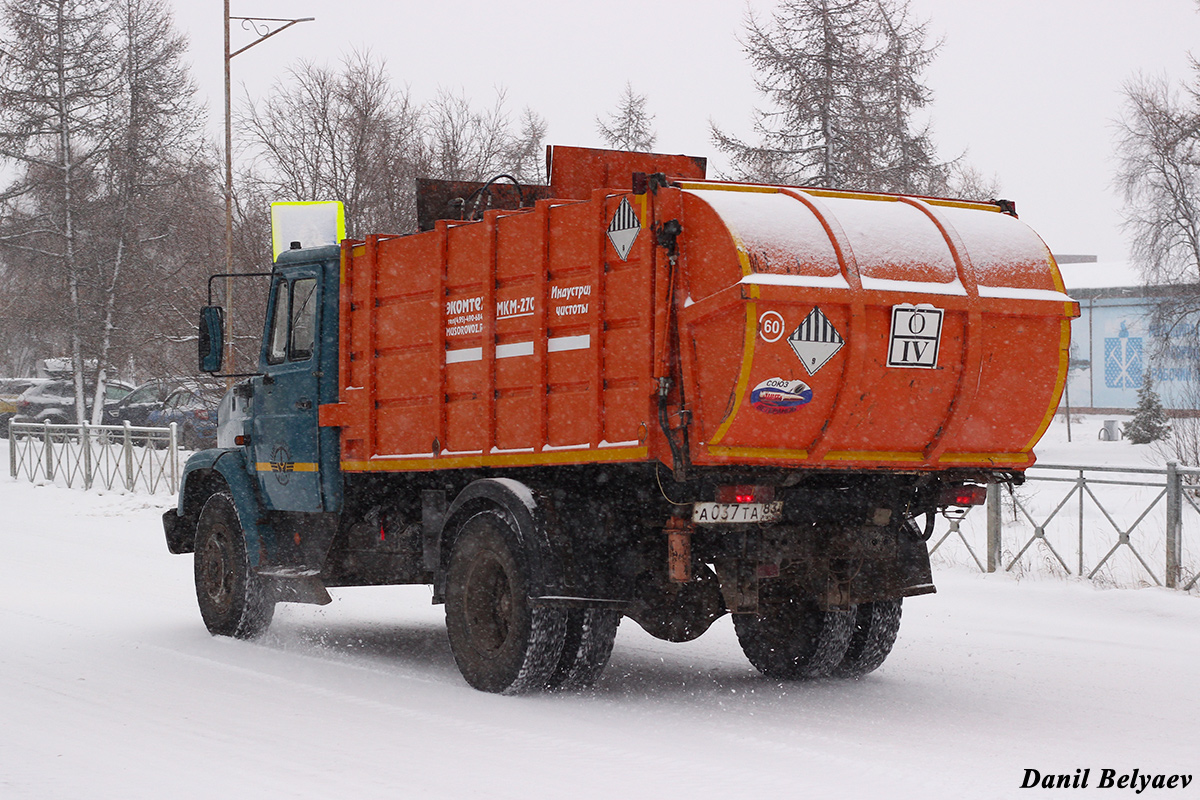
(916, 335)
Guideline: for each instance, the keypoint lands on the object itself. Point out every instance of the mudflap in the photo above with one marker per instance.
(296, 585)
(906, 573)
(180, 538)
(677, 612)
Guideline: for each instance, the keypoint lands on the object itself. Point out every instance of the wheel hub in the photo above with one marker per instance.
(488, 604)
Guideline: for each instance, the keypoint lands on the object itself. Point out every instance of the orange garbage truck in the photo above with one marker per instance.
(634, 392)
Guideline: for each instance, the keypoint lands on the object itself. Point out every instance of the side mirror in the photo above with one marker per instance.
(212, 338)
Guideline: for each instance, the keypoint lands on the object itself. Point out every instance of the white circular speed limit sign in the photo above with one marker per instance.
(770, 326)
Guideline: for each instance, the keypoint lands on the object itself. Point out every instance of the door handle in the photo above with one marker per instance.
(304, 404)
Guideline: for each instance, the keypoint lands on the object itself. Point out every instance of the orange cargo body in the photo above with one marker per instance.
(798, 328)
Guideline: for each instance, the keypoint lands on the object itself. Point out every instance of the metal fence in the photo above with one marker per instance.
(1083, 520)
(87, 456)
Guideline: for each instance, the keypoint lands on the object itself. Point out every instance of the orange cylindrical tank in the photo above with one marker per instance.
(791, 327)
(868, 331)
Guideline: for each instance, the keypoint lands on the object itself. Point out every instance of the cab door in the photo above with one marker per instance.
(284, 434)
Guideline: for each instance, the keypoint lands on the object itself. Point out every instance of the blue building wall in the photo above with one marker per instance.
(1112, 344)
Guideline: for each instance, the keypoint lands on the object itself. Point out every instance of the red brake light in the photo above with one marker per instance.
(745, 494)
(964, 496)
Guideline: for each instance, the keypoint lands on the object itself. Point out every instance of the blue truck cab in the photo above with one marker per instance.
(277, 462)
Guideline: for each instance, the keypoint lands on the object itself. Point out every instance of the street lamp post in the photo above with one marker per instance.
(265, 28)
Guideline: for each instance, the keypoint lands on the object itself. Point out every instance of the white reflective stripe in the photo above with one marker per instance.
(466, 354)
(560, 343)
(515, 349)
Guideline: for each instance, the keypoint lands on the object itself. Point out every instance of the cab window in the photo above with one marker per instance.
(304, 319)
(277, 341)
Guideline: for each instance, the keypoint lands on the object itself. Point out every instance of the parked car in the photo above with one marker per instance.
(10, 390)
(136, 406)
(54, 401)
(194, 409)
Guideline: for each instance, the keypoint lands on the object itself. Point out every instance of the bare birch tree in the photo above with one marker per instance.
(628, 125)
(155, 123)
(347, 134)
(57, 79)
(340, 134)
(527, 150)
(109, 165)
(466, 143)
(1158, 175)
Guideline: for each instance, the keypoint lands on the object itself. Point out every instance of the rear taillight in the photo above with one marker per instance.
(745, 494)
(969, 495)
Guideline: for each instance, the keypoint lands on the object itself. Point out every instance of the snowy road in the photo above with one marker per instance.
(111, 688)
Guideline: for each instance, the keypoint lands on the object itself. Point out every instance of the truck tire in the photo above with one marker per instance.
(501, 642)
(589, 643)
(875, 628)
(233, 600)
(794, 638)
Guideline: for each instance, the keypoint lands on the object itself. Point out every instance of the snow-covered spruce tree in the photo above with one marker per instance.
(904, 149)
(1149, 423)
(628, 126)
(843, 79)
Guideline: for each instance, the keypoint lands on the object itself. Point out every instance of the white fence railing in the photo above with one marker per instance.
(87, 456)
(1116, 525)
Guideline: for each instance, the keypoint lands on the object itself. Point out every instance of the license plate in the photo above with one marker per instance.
(736, 513)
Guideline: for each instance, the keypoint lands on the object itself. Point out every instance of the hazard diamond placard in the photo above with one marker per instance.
(815, 341)
(624, 228)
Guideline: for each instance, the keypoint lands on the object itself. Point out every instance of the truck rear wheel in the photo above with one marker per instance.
(501, 642)
(792, 637)
(233, 600)
(589, 643)
(875, 628)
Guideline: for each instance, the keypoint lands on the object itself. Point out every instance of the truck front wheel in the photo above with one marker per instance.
(794, 638)
(233, 600)
(501, 642)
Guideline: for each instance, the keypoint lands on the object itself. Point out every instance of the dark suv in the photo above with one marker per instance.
(10, 390)
(193, 407)
(54, 401)
(136, 406)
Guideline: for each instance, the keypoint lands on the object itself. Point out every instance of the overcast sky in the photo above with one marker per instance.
(1029, 88)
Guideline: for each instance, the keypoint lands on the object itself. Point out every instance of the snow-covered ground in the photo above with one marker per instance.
(111, 688)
